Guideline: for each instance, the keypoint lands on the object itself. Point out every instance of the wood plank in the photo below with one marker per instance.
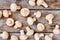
(49, 28)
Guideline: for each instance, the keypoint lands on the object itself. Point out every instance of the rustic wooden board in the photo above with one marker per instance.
(17, 16)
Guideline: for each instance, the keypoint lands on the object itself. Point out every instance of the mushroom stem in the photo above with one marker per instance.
(57, 26)
(27, 28)
(34, 19)
(50, 21)
(22, 32)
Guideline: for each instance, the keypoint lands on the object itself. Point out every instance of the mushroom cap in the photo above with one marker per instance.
(5, 35)
(5, 13)
(37, 14)
(32, 0)
(13, 37)
(25, 11)
(49, 17)
(40, 27)
(31, 3)
(10, 22)
(13, 7)
(0, 14)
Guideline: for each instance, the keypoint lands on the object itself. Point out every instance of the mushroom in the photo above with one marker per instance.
(25, 11)
(6, 13)
(42, 2)
(37, 14)
(56, 30)
(31, 20)
(40, 27)
(30, 32)
(23, 36)
(49, 17)
(18, 24)
(4, 35)
(32, 2)
(13, 37)
(0, 14)
(10, 21)
(14, 7)
(41, 35)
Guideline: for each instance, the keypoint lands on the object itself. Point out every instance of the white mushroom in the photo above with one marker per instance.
(14, 7)
(23, 36)
(4, 35)
(18, 24)
(41, 35)
(42, 2)
(10, 21)
(25, 11)
(13, 37)
(40, 27)
(37, 14)
(31, 20)
(30, 32)
(6, 13)
(49, 17)
(0, 14)
(56, 30)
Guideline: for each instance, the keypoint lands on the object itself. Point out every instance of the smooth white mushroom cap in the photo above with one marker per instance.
(37, 14)
(1, 14)
(4, 35)
(10, 21)
(13, 37)
(25, 11)
(18, 24)
(30, 20)
(40, 27)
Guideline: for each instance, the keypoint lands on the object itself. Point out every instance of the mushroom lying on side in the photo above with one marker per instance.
(17, 24)
(40, 27)
(30, 32)
(13, 37)
(49, 17)
(6, 13)
(10, 21)
(25, 12)
(42, 2)
(14, 7)
(56, 30)
(1, 14)
(31, 20)
(4, 35)
(23, 36)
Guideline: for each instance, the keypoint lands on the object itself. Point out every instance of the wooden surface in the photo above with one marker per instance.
(54, 8)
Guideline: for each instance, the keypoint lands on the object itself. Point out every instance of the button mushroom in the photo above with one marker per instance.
(18, 24)
(49, 17)
(25, 11)
(40, 27)
(56, 30)
(13, 37)
(10, 21)
(37, 14)
(42, 2)
(30, 32)
(0, 14)
(31, 20)
(14, 7)
(6, 13)
(4, 35)
(23, 36)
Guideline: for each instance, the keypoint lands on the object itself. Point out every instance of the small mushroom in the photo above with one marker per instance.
(23, 36)
(6, 13)
(25, 11)
(30, 32)
(37, 14)
(14, 7)
(18, 25)
(13, 37)
(10, 21)
(42, 2)
(0, 14)
(49, 17)
(40, 27)
(4, 35)
(32, 2)
(31, 20)
(56, 30)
